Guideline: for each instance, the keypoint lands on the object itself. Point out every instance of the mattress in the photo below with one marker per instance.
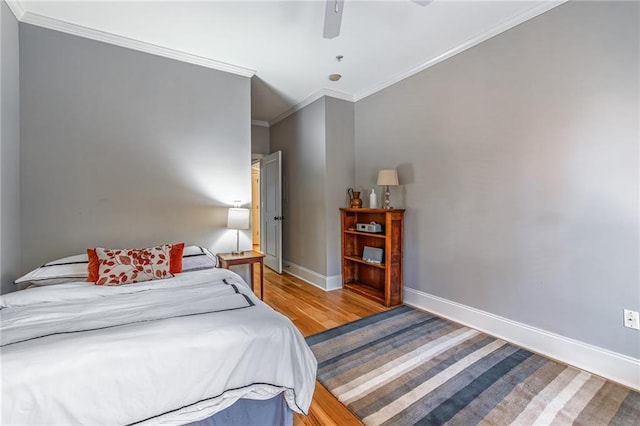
(170, 351)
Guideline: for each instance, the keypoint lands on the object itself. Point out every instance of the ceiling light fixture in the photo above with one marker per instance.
(335, 77)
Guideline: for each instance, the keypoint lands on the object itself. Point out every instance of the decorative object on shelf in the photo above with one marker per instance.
(372, 227)
(372, 254)
(373, 199)
(356, 202)
(238, 218)
(387, 178)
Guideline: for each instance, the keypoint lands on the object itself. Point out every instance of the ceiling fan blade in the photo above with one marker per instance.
(332, 18)
(422, 2)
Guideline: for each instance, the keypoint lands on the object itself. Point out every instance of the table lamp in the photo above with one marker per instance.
(238, 218)
(387, 178)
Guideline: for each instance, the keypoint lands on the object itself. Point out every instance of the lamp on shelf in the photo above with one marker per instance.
(387, 178)
(238, 218)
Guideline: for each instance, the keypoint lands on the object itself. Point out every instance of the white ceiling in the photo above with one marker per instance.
(281, 41)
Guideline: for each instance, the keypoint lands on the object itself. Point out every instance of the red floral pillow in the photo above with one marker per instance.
(175, 261)
(124, 266)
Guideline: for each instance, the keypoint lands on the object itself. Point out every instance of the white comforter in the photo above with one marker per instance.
(170, 351)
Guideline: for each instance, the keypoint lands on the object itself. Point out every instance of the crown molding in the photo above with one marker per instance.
(259, 123)
(78, 30)
(311, 99)
(491, 32)
(129, 43)
(338, 95)
(16, 7)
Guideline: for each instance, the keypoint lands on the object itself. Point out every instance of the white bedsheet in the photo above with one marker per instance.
(162, 352)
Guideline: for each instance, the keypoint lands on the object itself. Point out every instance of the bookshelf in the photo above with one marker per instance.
(380, 282)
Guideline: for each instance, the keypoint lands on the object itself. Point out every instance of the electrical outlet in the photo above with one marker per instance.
(631, 319)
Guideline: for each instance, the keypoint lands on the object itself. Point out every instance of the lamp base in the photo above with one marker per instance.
(237, 250)
(387, 198)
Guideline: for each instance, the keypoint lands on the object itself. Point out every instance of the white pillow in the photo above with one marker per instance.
(65, 270)
(195, 258)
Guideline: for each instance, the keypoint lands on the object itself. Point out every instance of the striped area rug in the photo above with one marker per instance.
(406, 367)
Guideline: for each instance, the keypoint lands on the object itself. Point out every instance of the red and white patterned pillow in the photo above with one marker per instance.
(125, 266)
(175, 261)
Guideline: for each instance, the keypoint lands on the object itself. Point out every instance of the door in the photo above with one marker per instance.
(271, 212)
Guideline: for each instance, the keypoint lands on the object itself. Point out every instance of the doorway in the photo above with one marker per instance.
(266, 208)
(255, 205)
(271, 210)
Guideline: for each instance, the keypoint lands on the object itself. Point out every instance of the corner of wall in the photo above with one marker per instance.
(326, 283)
(9, 150)
(339, 172)
(16, 7)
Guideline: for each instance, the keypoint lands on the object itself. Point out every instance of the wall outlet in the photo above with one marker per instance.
(631, 319)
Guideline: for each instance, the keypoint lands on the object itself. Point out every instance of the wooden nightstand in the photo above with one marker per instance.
(249, 257)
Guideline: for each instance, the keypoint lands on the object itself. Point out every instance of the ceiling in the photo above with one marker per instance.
(280, 44)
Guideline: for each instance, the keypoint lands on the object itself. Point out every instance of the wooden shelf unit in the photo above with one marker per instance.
(380, 282)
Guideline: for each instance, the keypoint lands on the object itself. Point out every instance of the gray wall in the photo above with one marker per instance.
(518, 161)
(317, 145)
(9, 149)
(340, 174)
(301, 138)
(121, 148)
(260, 140)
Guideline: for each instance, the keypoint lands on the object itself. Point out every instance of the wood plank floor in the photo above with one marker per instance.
(313, 310)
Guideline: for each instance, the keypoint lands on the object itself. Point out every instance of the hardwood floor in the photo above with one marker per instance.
(313, 310)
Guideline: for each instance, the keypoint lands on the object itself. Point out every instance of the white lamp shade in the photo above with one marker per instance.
(238, 218)
(388, 177)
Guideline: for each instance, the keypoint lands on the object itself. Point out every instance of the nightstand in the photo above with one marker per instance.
(249, 257)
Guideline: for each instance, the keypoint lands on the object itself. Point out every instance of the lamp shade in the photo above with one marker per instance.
(238, 218)
(388, 177)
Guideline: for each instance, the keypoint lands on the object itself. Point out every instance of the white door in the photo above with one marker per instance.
(271, 212)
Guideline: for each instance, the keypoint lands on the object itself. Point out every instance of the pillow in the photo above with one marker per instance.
(195, 258)
(125, 266)
(65, 270)
(175, 261)
(175, 258)
(92, 265)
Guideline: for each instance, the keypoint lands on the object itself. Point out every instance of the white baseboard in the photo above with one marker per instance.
(333, 282)
(611, 365)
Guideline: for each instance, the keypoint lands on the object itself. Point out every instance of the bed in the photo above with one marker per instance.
(191, 348)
